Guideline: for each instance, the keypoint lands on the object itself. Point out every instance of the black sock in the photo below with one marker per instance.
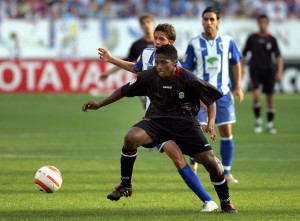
(256, 110)
(270, 114)
(221, 187)
(127, 161)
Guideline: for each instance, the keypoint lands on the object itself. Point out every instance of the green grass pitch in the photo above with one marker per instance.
(38, 130)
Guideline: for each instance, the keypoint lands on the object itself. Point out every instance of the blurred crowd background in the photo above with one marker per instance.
(110, 9)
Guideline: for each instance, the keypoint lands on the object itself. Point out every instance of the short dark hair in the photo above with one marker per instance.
(168, 29)
(262, 16)
(169, 51)
(213, 10)
(144, 16)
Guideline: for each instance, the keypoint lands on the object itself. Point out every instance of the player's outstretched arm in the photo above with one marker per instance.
(237, 72)
(211, 115)
(92, 105)
(106, 56)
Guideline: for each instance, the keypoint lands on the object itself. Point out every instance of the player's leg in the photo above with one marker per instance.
(202, 120)
(215, 170)
(224, 118)
(255, 77)
(189, 177)
(268, 89)
(227, 150)
(270, 114)
(134, 138)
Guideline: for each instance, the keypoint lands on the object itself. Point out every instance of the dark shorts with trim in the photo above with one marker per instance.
(264, 77)
(187, 133)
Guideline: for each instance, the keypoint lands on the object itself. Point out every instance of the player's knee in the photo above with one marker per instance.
(179, 163)
(131, 140)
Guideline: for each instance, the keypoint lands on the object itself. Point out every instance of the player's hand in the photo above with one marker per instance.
(239, 94)
(90, 105)
(211, 131)
(278, 76)
(104, 54)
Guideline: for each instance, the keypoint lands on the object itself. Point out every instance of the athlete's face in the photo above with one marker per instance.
(210, 23)
(165, 67)
(160, 38)
(263, 24)
(147, 25)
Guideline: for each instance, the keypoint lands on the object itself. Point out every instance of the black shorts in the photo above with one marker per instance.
(187, 133)
(264, 77)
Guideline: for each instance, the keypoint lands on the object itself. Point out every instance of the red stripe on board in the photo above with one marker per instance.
(53, 180)
(47, 189)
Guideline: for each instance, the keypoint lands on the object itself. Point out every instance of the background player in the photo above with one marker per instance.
(175, 95)
(208, 56)
(146, 21)
(263, 47)
(165, 34)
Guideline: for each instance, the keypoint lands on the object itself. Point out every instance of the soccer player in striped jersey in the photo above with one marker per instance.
(209, 56)
(163, 34)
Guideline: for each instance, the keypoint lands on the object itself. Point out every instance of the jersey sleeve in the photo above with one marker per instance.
(134, 88)
(207, 93)
(247, 47)
(234, 54)
(276, 48)
(131, 54)
(138, 66)
(189, 58)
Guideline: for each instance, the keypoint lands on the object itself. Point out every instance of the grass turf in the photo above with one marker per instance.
(38, 130)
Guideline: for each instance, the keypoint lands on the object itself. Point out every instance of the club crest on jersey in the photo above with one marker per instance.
(212, 60)
(221, 45)
(181, 95)
(133, 81)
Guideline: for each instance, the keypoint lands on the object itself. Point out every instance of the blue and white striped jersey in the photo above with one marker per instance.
(146, 60)
(209, 60)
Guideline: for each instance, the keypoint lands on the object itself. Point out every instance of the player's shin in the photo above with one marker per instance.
(193, 182)
(127, 161)
(221, 187)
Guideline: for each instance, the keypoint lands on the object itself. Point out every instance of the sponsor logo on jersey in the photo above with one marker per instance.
(181, 95)
(167, 87)
(212, 60)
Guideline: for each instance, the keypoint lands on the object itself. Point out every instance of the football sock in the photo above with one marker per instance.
(270, 115)
(192, 161)
(221, 187)
(193, 182)
(127, 161)
(227, 150)
(256, 110)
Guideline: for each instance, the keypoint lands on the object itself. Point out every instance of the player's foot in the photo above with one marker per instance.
(119, 192)
(230, 178)
(194, 167)
(258, 129)
(271, 130)
(209, 206)
(228, 208)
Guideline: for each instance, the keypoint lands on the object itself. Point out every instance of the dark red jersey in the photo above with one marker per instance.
(177, 97)
(262, 48)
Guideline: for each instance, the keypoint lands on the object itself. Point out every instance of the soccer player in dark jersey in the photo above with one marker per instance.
(263, 47)
(165, 34)
(146, 21)
(174, 93)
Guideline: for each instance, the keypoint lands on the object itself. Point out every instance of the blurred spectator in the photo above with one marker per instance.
(111, 9)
